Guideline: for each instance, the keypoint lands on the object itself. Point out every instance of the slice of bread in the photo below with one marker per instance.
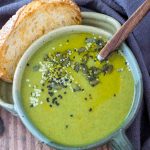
(29, 23)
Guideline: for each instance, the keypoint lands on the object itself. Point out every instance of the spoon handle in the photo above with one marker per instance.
(124, 31)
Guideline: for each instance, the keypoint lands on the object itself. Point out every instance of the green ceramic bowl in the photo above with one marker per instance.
(94, 23)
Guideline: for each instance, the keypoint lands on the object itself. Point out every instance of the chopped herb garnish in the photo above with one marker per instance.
(28, 64)
(114, 95)
(71, 115)
(66, 126)
(65, 92)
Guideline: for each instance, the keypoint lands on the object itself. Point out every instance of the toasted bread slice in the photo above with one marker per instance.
(29, 23)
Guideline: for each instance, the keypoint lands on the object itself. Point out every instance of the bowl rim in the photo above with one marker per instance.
(17, 79)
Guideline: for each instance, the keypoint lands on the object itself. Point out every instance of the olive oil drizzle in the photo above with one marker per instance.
(55, 76)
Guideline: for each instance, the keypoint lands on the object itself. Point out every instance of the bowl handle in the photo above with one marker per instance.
(8, 107)
(121, 142)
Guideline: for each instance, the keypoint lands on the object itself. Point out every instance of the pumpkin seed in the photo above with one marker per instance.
(91, 78)
(107, 68)
(94, 82)
(85, 58)
(89, 40)
(99, 47)
(84, 68)
(95, 70)
(100, 42)
(55, 86)
(66, 62)
(81, 50)
(76, 88)
(77, 67)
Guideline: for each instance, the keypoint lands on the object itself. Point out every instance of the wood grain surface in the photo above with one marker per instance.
(16, 136)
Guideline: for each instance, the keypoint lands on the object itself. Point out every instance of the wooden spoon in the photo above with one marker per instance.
(125, 30)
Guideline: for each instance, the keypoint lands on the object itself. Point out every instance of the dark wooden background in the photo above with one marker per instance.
(16, 137)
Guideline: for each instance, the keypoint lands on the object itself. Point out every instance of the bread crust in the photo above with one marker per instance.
(29, 23)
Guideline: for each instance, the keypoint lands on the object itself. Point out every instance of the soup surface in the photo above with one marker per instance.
(70, 96)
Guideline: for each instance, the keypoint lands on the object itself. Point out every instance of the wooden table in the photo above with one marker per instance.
(16, 137)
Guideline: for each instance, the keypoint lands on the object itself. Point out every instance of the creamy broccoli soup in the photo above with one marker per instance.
(71, 97)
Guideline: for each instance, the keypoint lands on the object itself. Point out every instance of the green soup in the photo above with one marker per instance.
(70, 96)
